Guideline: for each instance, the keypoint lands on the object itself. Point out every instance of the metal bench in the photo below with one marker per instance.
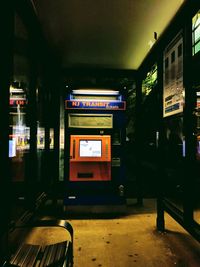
(58, 255)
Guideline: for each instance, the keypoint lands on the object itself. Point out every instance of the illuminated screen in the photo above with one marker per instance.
(90, 148)
(12, 148)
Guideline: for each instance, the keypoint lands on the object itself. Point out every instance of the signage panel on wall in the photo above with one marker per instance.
(96, 105)
(76, 120)
(173, 91)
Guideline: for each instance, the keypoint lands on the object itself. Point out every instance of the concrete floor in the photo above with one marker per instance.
(123, 237)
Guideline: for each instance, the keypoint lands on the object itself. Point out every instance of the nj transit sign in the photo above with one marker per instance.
(100, 105)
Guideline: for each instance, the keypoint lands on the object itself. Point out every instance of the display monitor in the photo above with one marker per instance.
(90, 148)
(12, 148)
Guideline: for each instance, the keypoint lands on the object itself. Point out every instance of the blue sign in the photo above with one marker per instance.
(172, 108)
(88, 104)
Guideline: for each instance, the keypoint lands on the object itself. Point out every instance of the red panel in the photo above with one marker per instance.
(90, 171)
(90, 168)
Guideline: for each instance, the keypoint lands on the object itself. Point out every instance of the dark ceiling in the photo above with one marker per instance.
(115, 34)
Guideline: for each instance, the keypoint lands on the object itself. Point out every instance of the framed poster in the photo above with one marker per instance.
(173, 90)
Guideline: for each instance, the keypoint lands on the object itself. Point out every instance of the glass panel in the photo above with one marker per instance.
(62, 141)
(19, 127)
(197, 47)
(147, 141)
(51, 137)
(196, 33)
(40, 137)
(196, 20)
(197, 177)
(173, 90)
(19, 144)
(149, 82)
(173, 158)
(40, 130)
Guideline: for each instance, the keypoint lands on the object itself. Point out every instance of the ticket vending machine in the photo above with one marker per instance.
(94, 142)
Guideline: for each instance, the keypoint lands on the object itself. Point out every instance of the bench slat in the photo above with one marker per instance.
(31, 258)
(25, 256)
(55, 254)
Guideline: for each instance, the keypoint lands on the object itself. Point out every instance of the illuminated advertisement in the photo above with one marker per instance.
(20, 137)
(17, 101)
(40, 138)
(173, 91)
(12, 148)
(51, 137)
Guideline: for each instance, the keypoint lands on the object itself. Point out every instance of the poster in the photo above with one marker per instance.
(173, 91)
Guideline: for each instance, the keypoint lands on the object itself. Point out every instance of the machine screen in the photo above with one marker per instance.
(90, 148)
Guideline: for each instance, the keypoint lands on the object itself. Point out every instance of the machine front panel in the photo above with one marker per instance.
(90, 158)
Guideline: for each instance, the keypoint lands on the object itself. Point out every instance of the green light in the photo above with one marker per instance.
(150, 81)
(197, 48)
(196, 33)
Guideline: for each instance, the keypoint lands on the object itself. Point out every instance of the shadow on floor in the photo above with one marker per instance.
(58, 210)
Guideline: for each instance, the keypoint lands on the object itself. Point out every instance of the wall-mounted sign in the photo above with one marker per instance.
(76, 120)
(173, 91)
(18, 101)
(101, 105)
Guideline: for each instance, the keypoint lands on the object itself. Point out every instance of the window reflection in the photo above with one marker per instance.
(51, 138)
(40, 128)
(196, 33)
(19, 132)
(40, 137)
(174, 153)
(19, 137)
(197, 177)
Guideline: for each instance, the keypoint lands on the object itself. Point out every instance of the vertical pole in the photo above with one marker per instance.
(189, 122)
(160, 220)
(138, 139)
(56, 94)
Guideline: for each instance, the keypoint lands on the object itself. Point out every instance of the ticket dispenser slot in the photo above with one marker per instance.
(90, 158)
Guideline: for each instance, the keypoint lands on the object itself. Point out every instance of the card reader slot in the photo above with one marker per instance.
(85, 175)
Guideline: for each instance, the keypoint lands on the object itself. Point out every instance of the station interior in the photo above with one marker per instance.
(100, 133)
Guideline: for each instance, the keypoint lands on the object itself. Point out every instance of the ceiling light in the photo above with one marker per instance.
(94, 92)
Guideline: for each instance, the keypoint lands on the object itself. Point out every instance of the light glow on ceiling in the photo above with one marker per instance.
(94, 92)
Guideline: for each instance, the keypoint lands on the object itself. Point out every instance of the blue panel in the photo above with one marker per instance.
(95, 105)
